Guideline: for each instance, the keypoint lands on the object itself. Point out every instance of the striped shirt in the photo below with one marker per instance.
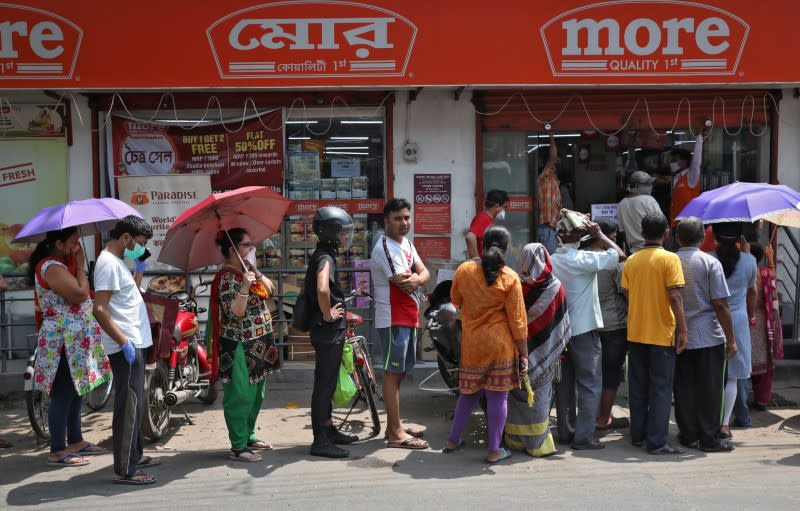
(548, 199)
(705, 281)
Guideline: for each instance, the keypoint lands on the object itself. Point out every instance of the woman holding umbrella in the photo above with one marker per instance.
(242, 344)
(71, 359)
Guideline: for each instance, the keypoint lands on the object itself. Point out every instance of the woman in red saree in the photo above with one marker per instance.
(766, 334)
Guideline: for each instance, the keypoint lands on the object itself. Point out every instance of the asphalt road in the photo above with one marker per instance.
(762, 473)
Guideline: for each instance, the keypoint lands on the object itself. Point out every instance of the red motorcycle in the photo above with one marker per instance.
(177, 370)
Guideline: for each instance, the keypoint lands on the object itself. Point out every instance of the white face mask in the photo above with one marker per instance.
(674, 166)
(501, 216)
(251, 257)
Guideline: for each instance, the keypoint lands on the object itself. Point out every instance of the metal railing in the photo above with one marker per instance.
(795, 278)
(284, 303)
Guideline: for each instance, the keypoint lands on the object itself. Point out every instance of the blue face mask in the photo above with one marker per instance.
(136, 253)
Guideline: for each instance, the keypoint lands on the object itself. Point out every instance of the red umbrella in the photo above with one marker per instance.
(190, 241)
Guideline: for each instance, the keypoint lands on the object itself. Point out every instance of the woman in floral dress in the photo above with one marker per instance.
(71, 361)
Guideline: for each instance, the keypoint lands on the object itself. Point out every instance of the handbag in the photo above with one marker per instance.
(301, 318)
(345, 387)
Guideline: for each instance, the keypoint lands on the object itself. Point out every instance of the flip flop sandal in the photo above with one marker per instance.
(244, 455)
(416, 433)
(64, 461)
(504, 455)
(259, 445)
(138, 479)
(86, 450)
(409, 442)
(148, 461)
(459, 445)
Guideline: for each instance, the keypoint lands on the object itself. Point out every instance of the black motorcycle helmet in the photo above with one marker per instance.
(334, 226)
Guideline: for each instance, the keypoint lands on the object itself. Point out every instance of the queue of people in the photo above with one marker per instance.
(561, 323)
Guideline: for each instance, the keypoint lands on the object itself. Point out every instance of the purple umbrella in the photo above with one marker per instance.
(746, 202)
(91, 215)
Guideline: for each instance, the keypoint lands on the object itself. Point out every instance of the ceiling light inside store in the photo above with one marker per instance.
(349, 138)
(559, 135)
(299, 138)
(360, 122)
(302, 122)
(347, 148)
(347, 152)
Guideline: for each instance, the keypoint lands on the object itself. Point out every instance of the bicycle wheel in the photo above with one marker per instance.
(98, 397)
(367, 391)
(37, 403)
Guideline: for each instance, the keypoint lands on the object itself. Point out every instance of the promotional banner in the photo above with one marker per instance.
(161, 199)
(432, 194)
(32, 120)
(33, 176)
(432, 247)
(240, 153)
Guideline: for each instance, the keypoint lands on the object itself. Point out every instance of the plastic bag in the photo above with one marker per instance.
(345, 387)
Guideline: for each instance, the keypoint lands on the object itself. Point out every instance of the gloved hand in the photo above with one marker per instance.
(139, 266)
(129, 352)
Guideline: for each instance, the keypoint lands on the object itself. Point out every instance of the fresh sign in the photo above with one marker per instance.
(674, 38)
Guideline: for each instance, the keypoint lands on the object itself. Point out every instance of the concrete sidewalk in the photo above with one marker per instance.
(761, 473)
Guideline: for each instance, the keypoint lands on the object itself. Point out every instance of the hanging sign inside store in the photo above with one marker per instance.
(432, 247)
(644, 38)
(252, 155)
(520, 204)
(162, 199)
(432, 197)
(352, 206)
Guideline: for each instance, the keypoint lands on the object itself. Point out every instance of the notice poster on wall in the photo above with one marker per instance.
(250, 154)
(161, 199)
(608, 211)
(33, 176)
(432, 247)
(432, 194)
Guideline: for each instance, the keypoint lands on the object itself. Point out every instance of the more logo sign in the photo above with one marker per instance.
(36, 44)
(341, 39)
(644, 38)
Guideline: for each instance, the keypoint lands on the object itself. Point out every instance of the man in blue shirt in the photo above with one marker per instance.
(699, 371)
(577, 270)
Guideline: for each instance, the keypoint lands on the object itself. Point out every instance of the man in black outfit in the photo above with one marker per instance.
(334, 228)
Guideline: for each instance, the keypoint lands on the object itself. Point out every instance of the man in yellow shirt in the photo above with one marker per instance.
(652, 279)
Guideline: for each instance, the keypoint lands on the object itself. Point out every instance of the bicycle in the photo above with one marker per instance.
(363, 375)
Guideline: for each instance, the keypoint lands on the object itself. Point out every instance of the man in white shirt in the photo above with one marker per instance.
(577, 270)
(634, 207)
(397, 274)
(122, 314)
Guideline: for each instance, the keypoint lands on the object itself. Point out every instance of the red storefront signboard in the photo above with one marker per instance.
(50, 44)
(352, 206)
(432, 247)
(250, 156)
(520, 204)
(432, 194)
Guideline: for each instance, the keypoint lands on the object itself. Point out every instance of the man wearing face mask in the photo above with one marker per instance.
(685, 177)
(493, 211)
(122, 314)
(634, 207)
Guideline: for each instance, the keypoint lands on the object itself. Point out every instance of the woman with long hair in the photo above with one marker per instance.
(766, 332)
(242, 346)
(494, 332)
(71, 361)
(740, 272)
(528, 428)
